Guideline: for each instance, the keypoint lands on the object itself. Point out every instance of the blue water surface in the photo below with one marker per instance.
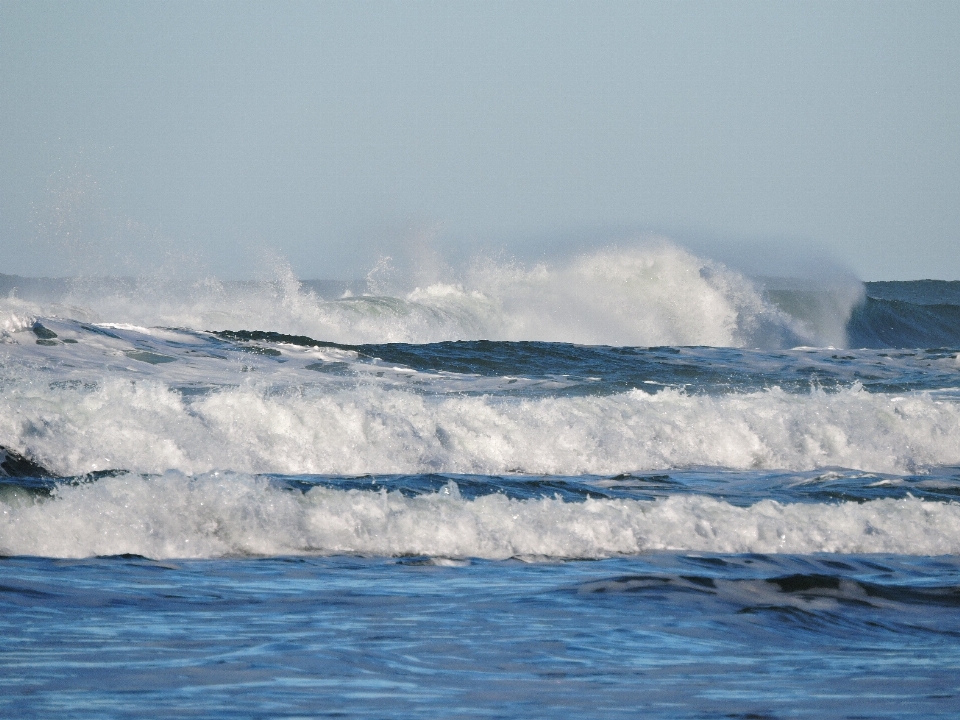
(679, 636)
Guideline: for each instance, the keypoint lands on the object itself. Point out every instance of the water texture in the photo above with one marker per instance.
(636, 482)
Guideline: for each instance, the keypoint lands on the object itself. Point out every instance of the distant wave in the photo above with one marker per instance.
(652, 295)
(880, 323)
(643, 296)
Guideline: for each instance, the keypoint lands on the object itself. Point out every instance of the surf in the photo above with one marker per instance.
(224, 515)
(651, 294)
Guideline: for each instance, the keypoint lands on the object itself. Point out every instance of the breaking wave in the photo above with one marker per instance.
(145, 426)
(648, 296)
(216, 515)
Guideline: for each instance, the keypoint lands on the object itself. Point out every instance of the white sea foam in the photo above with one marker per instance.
(144, 426)
(219, 515)
(16, 315)
(657, 294)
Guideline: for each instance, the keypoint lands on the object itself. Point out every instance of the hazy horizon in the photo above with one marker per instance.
(218, 138)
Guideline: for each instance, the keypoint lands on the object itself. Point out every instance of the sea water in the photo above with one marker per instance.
(636, 483)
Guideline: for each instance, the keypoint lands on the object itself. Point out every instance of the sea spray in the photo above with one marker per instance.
(648, 295)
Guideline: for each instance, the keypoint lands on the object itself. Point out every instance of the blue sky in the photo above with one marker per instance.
(211, 136)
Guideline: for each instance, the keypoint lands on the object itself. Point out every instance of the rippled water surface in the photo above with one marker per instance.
(663, 635)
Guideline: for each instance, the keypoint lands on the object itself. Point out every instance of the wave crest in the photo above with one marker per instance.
(147, 427)
(652, 295)
(176, 516)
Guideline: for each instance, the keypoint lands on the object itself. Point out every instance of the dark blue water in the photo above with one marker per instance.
(599, 370)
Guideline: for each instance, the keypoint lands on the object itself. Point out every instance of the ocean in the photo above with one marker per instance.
(632, 483)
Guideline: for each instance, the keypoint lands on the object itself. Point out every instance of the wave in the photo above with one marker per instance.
(907, 314)
(654, 295)
(643, 296)
(217, 515)
(879, 323)
(75, 352)
(821, 594)
(74, 427)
